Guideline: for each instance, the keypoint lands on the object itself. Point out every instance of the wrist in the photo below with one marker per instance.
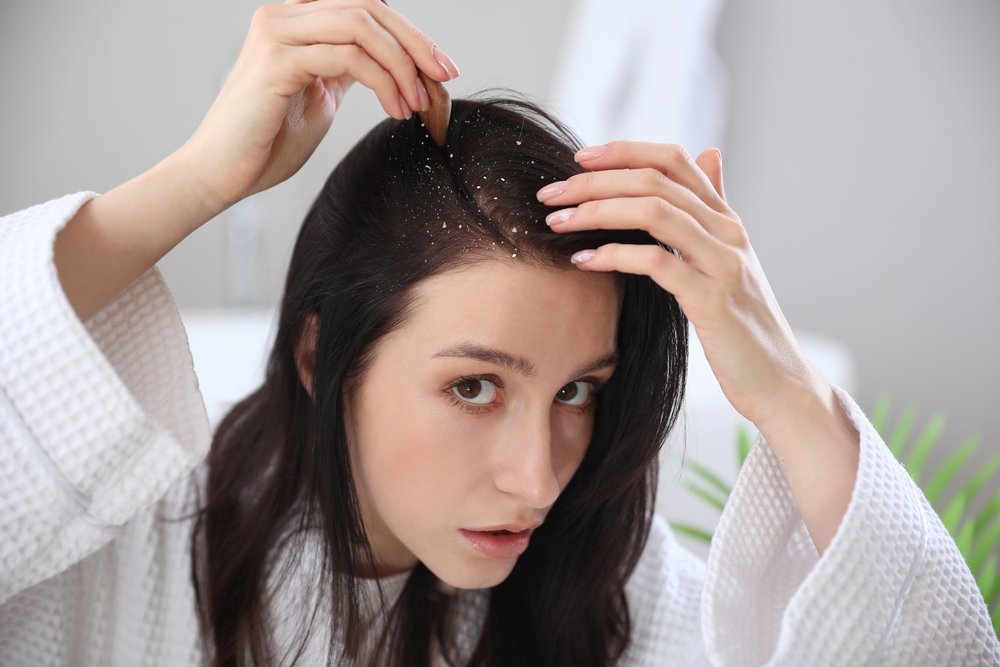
(199, 200)
(805, 410)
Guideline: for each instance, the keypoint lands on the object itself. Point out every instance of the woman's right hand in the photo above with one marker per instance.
(297, 62)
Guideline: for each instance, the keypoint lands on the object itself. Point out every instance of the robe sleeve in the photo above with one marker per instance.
(892, 587)
(97, 419)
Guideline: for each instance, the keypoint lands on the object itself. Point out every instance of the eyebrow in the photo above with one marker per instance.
(470, 350)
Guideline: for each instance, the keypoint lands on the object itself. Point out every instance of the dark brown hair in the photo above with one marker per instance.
(395, 211)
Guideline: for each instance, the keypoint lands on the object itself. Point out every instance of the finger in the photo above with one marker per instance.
(661, 220)
(353, 25)
(710, 162)
(666, 269)
(422, 49)
(669, 159)
(425, 52)
(647, 181)
(333, 60)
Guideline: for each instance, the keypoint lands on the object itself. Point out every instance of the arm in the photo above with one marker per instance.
(118, 236)
(816, 445)
(719, 283)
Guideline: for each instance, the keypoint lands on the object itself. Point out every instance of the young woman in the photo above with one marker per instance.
(453, 456)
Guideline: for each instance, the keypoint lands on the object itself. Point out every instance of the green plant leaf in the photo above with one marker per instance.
(953, 514)
(987, 578)
(744, 444)
(710, 477)
(964, 539)
(946, 473)
(692, 531)
(901, 433)
(990, 510)
(880, 414)
(985, 473)
(987, 541)
(990, 586)
(926, 441)
(707, 497)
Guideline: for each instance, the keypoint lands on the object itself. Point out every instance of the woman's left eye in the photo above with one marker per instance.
(575, 393)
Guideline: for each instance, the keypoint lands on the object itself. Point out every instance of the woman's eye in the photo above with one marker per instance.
(575, 393)
(478, 392)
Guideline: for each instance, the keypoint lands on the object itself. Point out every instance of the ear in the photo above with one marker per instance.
(305, 351)
(710, 162)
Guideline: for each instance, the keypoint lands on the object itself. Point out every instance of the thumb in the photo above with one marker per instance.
(710, 162)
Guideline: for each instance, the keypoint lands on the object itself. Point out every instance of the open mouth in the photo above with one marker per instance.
(499, 543)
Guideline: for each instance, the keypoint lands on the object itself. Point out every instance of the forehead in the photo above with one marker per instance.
(536, 311)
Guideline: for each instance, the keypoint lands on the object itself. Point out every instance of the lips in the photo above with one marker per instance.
(499, 543)
(507, 527)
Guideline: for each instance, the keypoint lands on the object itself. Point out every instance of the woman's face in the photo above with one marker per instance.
(476, 412)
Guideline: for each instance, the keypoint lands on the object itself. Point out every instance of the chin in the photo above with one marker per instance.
(474, 574)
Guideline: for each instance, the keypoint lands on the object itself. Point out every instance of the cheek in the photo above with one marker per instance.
(415, 453)
(570, 436)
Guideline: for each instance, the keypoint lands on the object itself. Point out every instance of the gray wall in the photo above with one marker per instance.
(861, 152)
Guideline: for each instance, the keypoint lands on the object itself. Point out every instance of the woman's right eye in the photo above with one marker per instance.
(475, 391)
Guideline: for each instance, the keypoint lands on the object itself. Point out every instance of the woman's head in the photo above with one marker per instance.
(441, 367)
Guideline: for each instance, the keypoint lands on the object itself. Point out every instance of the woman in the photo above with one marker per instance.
(452, 458)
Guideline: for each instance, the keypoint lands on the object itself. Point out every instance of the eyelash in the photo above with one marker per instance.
(465, 406)
(597, 390)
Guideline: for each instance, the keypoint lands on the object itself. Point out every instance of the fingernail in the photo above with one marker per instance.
(590, 152)
(720, 154)
(407, 111)
(447, 63)
(583, 256)
(551, 190)
(559, 217)
(425, 100)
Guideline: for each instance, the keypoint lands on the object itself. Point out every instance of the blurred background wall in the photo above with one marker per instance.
(859, 141)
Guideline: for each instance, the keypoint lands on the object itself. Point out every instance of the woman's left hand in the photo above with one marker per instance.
(721, 287)
(717, 280)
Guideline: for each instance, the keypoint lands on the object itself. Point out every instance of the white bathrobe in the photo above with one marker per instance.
(103, 431)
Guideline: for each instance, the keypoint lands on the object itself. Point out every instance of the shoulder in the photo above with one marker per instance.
(664, 596)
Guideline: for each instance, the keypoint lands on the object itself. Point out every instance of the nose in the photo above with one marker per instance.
(526, 467)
